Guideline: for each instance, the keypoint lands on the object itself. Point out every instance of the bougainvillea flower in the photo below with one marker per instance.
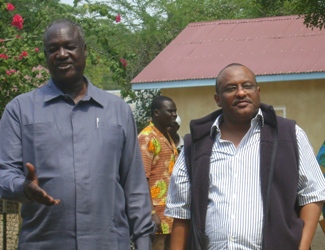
(10, 7)
(4, 56)
(36, 49)
(9, 72)
(124, 62)
(17, 21)
(22, 55)
(118, 18)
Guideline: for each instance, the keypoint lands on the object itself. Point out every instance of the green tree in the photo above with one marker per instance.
(37, 13)
(313, 12)
(19, 56)
(268, 8)
(105, 40)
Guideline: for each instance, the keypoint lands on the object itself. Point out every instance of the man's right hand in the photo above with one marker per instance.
(33, 191)
(157, 221)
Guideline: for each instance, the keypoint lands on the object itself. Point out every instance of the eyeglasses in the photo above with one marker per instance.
(248, 88)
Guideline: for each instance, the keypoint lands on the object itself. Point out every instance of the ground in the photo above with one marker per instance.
(319, 240)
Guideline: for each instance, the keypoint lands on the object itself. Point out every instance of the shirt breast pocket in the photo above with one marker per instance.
(41, 142)
(41, 133)
(109, 139)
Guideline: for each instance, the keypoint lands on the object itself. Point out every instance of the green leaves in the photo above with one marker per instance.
(313, 11)
(16, 69)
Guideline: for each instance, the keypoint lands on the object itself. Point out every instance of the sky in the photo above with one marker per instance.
(67, 2)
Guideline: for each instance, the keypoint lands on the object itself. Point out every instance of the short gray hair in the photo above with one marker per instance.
(70, 22)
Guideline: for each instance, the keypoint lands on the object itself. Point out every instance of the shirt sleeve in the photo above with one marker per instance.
(311, 185)
(321, 157)
(147, 157)
(133, 180)
(12, 174)
(178, 198)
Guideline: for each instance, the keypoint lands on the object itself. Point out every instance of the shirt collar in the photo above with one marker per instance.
(216, 125)
(92, 93)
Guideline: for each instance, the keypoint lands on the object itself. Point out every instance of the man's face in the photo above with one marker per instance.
(65, 53)
(166, 115)
(238, 95)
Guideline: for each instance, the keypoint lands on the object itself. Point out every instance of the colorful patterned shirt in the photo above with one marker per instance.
(159, 156)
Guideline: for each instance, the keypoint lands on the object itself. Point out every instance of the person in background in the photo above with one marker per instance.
(69, 153)
(159, 154)
(321, 161)
(172, 130)
(246, 179)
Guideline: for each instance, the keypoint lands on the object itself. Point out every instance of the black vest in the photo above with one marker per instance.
(282, 228)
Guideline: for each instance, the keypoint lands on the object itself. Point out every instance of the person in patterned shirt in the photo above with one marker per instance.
(159, 154)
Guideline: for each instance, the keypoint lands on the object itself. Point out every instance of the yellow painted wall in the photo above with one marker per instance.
(304, 102)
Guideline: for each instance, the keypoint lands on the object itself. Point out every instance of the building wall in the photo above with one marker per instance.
(302, 101)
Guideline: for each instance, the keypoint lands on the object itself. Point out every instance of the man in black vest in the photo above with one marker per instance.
(247, 179)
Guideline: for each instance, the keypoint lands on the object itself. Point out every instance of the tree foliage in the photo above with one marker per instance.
(313, 12)
(19, 55)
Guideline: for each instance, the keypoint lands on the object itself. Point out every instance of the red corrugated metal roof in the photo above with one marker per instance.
(269, 46)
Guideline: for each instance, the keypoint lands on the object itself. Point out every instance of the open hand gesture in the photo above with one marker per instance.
(33, 191)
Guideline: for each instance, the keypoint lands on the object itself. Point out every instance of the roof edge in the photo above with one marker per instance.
(211, 82)
(245, 20)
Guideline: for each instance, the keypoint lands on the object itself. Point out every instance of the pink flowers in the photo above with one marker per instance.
(123, 62)
(17, 21)
(10, 7)
(22, 55)
(118, 18)
(4, 56)
(36, 50)
(9, 72)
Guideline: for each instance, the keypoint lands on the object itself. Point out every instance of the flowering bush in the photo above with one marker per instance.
(17, 21)
(123, 62)
(20, 60)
